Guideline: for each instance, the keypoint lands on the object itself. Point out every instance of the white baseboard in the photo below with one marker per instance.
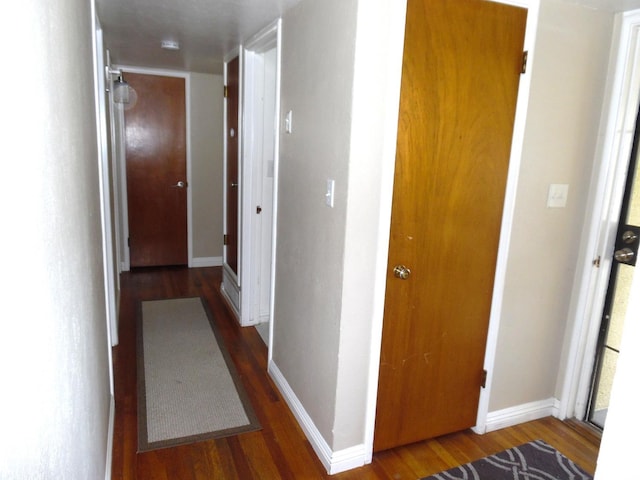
(527, 412)
(206, 262)
(109, 453)
(195, 263)
(334, 462)
(231, 293)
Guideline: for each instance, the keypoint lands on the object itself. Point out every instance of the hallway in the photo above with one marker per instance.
(280, 449)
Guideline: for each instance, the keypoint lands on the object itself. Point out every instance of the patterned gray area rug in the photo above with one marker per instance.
(532, 461)
(188, 388)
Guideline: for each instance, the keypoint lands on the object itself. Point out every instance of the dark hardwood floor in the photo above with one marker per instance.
(280, 450)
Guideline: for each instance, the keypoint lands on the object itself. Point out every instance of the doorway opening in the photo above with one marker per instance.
(617, 296)
(252, 79)
(156, 171)
(261, 115)
(436, 171)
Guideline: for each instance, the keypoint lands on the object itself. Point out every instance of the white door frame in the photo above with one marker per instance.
(522, 105)
(110, 275)
(605, 200)
(532, 7)
(105, 188)
(240, 289)
(254, 134)
(118, 180)
(231, 285)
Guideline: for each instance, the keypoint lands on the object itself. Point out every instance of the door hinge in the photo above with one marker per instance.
(226, 91)
(525, 57)
(225, 239)
(483, 382)
(596, 261)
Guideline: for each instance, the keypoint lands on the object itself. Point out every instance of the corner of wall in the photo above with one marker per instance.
(333, 461)
(526, 412)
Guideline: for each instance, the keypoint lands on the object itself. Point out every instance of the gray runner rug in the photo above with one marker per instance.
(532, 461)
(188, 388)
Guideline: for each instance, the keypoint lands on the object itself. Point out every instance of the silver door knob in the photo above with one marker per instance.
(624, 255)
(180, 184)
(401, 272)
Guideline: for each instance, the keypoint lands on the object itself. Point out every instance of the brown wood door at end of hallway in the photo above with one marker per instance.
(460, 78)
(233, 96)
(155, 142)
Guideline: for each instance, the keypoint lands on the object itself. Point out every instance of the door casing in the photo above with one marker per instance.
(121, 177)
(605, 199)
(259, 166)
(249, 291)
(420, 313)
(232, 280)
(393, 88)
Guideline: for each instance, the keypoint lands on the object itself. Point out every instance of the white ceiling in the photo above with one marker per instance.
(207, 29)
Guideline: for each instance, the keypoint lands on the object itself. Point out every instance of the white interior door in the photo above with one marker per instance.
(259, 167)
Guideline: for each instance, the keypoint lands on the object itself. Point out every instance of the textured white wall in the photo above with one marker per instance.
(331, 263)
(569, 73)
(379, 45)
(54, 406)
(207, 163)
(318, 41)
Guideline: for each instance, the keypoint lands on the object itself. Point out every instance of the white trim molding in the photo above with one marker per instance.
(522, 105)
(260, 133)
(110, 433)
(333, 461)
(206, 262)
(527, 412)
(230, 290)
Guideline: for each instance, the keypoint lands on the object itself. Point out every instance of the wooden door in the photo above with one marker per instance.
(460, 76)
(155, 142)
(233, 198)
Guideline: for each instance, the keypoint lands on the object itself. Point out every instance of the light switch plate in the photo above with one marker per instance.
(558, 194)
(328, 197)
(288, 122)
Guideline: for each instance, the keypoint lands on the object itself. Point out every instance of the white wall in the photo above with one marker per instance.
(379, 45)
(569, 73)
(207, 164)
(318, 41)
(331, 263)
(54, 409)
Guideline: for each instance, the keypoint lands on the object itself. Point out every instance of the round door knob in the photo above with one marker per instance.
(401, 272)
(624, 255)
